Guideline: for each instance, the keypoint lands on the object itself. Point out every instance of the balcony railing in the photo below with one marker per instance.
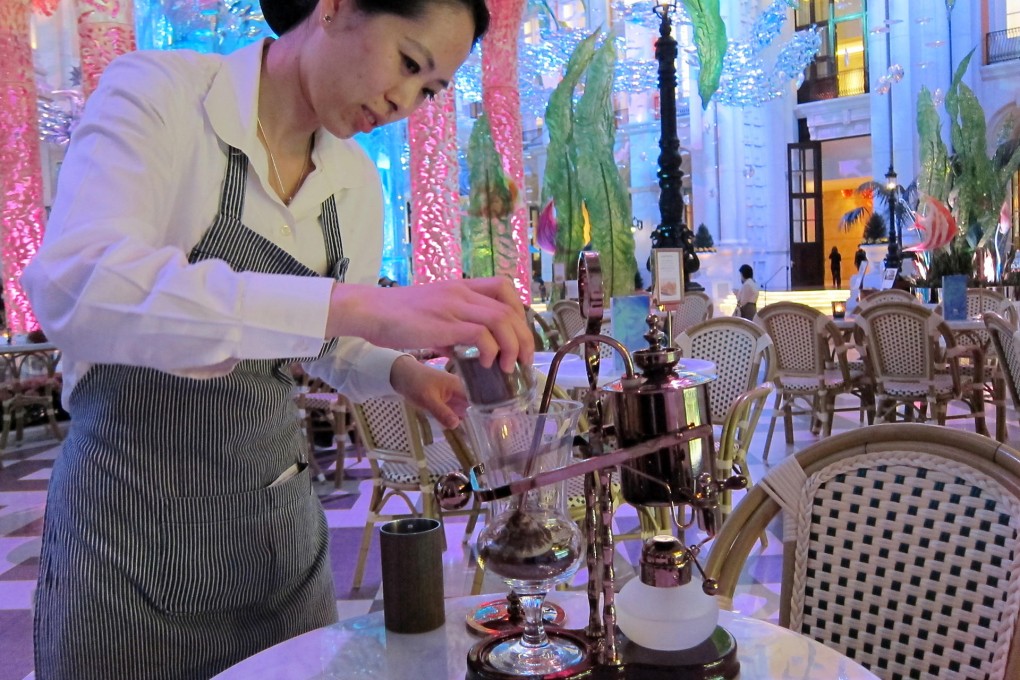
(1002, 45)
(845, 83)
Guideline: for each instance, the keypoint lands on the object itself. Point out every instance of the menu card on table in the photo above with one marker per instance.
(954, 297)
(628, 316)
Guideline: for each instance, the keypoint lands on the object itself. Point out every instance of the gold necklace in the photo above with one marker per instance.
(276, 170)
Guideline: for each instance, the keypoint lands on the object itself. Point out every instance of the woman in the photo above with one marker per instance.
(747, 295)
(209, 209)
(835, 267)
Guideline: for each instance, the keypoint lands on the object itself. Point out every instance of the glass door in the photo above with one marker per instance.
(804, 165)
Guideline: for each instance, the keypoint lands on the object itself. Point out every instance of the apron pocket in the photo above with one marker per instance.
(225, 552)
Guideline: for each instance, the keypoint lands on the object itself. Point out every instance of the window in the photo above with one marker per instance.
(840, 68)
(1012, 14)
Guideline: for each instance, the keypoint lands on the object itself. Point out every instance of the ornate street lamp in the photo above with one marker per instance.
(894, 256)
(671, 232)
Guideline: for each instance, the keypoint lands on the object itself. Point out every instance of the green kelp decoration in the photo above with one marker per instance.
(489, 247)
(981, 181)
(936, 176)
(560, 181)
(710, 39)
(602, 188)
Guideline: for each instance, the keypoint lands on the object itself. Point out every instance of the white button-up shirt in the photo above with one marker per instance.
(140, 186)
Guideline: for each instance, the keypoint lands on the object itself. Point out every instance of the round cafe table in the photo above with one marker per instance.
(361, 647)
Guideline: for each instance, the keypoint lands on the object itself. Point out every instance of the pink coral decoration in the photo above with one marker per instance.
(106, 30)
(45, 7)
(545, 234)
(936, 222)
(502, 100)
(435, 222)
(20, 166)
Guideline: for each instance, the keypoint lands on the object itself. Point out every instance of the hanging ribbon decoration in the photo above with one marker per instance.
(20, 165)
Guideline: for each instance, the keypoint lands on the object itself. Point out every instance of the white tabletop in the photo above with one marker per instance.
(361, 647)
(572, 373)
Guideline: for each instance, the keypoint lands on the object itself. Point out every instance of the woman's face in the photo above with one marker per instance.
(363, 71)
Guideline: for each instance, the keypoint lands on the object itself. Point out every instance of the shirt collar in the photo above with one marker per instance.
(232, 104)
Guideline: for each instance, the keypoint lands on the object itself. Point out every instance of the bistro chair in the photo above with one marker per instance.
(915, 363)
(810, 368)
(874, 297)
(322, 409)
(735, 441)
(545, 334)
(901, 549)
(568, 317)
(742, 352)
(28, 380)
(406, 459)
(694, 308)
(1005, 341)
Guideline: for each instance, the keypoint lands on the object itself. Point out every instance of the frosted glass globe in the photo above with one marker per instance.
(666, 619)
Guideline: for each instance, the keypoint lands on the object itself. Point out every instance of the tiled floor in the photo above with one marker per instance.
(23, 496)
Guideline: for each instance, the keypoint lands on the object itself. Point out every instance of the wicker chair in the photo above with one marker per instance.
(406, 462)
(742, 352)
(915, 362)
(321, 407)
(28, 380)
(737, 432)
(568, 317)
(901, 549)
(811, 366)
(545, 334)
(694, 308)
(874, 297)
(743, 355)
(1005, 342)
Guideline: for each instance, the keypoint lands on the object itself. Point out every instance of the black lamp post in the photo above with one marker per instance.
(893, 257)
(671, 232)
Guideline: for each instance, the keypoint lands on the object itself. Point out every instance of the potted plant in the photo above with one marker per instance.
(703, 241)
(877, 201)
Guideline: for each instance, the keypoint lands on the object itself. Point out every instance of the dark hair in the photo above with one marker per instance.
(746, 271)
(283, 15)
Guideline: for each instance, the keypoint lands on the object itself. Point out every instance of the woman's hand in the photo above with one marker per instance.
(485, 313)
(430, 389)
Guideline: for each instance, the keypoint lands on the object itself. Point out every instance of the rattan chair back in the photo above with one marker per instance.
(694, 308)
(1005, 341)
(901, 549)
(568, 317)
(741, 351)
(875, 297)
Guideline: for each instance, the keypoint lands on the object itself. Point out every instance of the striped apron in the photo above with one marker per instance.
(166, 552)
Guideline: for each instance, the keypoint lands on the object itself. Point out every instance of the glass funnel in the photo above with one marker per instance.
(529, 539)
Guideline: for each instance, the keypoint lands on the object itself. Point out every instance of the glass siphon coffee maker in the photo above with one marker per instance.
(664, 453)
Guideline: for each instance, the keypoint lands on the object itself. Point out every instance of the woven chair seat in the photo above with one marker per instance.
(831, 380)
(943, 388)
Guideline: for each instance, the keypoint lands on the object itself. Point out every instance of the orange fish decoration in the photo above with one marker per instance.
(937, 224)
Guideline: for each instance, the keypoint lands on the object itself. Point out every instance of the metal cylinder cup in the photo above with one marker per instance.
(412, 574)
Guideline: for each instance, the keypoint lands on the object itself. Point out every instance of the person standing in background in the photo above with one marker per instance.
(835, 259)
(747, 295)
